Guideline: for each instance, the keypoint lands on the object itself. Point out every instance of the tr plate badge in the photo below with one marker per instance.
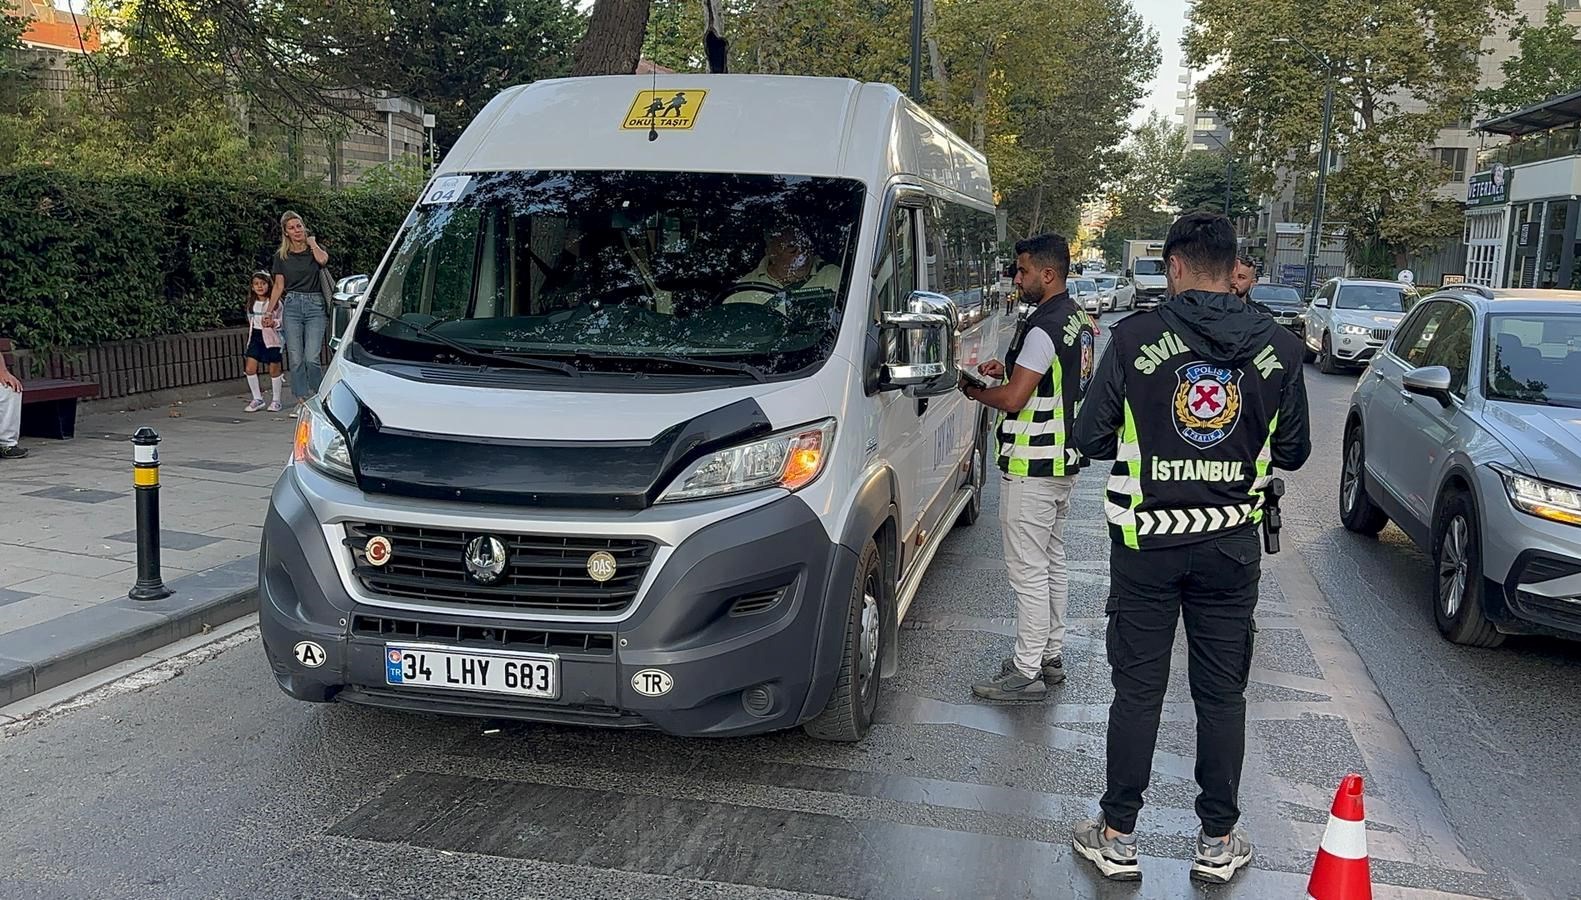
(378, 550)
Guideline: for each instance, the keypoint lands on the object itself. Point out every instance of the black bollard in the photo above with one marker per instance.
(145, 478)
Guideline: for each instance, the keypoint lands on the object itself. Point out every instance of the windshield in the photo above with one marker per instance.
(1107, 282)
(1375, 297)
(1275, 295)
(1149, 267)
(1535, 359)
(593, 266)
(1083, 286)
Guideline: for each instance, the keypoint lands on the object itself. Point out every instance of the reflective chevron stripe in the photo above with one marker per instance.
(1124, 490)
(1201, 520)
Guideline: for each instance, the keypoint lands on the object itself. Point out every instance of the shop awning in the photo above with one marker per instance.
(1551, 113)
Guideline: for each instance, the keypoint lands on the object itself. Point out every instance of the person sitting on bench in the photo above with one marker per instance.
(10, 413)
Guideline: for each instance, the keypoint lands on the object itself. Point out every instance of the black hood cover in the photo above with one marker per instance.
(1221, 328)
(595, 475)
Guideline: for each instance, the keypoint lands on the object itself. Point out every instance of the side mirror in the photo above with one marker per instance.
(921, 346)
(1320, 301)
(350, 289)
(348, 293)
(1429, 381)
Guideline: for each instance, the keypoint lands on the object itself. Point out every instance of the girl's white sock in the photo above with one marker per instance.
(275, 385)
(252, 383)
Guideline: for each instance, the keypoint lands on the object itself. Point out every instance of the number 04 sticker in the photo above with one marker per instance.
(446, 190)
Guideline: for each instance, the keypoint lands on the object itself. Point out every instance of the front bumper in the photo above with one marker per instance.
(1354, 348)
(1533, 565)
(687, 623)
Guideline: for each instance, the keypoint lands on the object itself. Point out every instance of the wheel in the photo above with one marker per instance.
(1457, 576)
(1356, 509)
(849, 713)
(1325, 360)
(974, 507)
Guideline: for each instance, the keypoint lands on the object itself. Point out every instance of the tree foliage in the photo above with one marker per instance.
(1142, 185)
(1547, 63)
(1402, 70)
(91, 258)
(1200, 184)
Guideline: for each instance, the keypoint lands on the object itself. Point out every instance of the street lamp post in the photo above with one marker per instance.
(1229, 171)
(1322, 175)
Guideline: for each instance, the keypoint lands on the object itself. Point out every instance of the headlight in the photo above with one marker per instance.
(1544, 499)
(1351, 329)
(790, 459)
(321, 445)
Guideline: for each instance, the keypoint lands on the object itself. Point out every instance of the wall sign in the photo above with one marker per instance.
(1489, 188)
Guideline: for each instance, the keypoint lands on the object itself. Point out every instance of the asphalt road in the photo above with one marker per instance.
(200, 779)
(1496, 730)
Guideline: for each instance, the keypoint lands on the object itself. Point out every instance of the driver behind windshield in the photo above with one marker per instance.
(789, 264)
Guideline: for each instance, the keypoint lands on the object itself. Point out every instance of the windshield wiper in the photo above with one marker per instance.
(516, 359)
(704, 365)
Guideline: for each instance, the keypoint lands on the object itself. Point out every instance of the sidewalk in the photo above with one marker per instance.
(68, 548)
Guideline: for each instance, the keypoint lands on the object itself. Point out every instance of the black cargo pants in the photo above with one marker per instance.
(1213, 585)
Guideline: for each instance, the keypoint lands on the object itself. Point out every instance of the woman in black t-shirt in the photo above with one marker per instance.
(297, 301)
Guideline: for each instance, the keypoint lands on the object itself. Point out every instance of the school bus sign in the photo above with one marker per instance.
(673, 109)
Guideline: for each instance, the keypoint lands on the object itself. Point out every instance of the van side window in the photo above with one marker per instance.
(897, 276)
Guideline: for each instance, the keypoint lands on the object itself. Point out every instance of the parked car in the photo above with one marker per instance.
(1085, 292)
(1283, 301)
(1116, 292)
(1349, 319)
(1467, 434)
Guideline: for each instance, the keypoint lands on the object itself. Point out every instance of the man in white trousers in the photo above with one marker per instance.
(10, 413)
(1048, 366)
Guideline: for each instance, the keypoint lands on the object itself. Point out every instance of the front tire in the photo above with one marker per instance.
(1325, 360)
(1457, 576)
(849, 714)
(1356, 509)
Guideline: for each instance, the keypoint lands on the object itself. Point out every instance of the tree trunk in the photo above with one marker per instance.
(613, 43)
(715, 47)
(935, 58)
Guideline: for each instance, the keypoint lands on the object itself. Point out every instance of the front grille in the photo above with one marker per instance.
(528, 640)
(754, 603)
(1382, 334)
(545, 572)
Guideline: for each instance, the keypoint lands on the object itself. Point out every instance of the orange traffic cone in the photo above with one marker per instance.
(1341, 871)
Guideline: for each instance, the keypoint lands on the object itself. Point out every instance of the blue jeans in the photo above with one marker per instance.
(305, 321)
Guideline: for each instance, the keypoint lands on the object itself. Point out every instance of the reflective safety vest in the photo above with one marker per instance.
(1195, 447)
(1034, 442)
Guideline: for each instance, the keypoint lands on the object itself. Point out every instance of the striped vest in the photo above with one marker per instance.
(1194, 450)
(1034, 442)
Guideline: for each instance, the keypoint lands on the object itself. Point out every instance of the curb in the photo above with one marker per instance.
(52, 653)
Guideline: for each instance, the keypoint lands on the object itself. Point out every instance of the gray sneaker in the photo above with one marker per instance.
(1218, 859)
(1115, 857)
(1011, 687)
(1053, 670)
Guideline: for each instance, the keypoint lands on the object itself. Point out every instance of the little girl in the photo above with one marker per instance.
(263, 346)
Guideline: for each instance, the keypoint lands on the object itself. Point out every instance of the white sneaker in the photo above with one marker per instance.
(255, 406)
(296, 411)
(1218, 859)
(274, 406)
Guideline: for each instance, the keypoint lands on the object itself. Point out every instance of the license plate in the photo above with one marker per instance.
(454, 668)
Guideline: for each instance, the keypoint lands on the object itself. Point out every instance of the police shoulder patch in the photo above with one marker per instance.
(1207, 403)
(1087, 354)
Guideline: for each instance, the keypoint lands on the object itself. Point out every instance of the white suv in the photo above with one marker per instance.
(1349, 319)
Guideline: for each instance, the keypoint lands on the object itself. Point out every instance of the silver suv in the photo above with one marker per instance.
(1350, 318)
(1466, 431)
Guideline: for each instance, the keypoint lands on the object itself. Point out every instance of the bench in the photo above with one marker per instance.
(49, 405)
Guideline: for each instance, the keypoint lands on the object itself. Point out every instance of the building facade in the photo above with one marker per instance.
(1522, 208)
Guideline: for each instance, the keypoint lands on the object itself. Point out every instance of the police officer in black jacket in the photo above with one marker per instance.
(1196, 402)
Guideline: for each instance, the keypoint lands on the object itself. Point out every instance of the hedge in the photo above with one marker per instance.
(102, 258)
